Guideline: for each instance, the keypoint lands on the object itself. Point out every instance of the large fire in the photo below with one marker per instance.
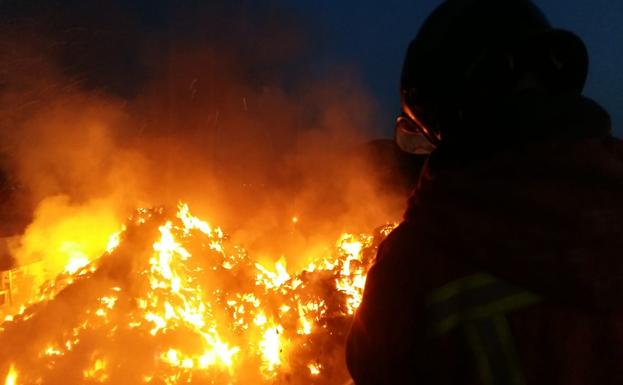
(172, 301)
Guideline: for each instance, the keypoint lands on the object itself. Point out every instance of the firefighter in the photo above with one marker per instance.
(507, 268)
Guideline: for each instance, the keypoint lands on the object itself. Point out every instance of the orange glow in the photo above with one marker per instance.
(66, 237)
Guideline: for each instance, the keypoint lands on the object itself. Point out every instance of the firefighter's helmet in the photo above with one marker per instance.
(474, 52)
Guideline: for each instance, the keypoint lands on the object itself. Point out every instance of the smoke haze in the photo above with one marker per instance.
(223, 106)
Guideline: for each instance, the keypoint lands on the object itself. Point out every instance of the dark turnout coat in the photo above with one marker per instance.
(508, 266)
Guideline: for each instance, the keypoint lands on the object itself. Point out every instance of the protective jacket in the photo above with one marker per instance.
(508, 266)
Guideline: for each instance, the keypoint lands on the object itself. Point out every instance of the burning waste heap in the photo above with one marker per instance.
(172, 301)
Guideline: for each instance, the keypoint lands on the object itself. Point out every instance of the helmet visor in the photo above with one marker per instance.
(410, 138)
(413, 121)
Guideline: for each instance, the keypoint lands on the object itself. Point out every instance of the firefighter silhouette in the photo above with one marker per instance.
(506, 268)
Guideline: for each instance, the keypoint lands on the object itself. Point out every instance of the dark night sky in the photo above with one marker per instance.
(373, 34)
(368, 36)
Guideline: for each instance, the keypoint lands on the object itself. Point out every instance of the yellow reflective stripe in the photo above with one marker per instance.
(506, 339)
(457, 287)
(502, 305)
(482, 360)
(479, 304)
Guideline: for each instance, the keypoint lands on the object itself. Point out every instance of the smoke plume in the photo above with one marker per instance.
(109, 106)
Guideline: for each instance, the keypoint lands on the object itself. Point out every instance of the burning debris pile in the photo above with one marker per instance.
(172, 301)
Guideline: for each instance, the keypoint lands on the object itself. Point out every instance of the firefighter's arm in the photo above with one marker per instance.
(382, 338)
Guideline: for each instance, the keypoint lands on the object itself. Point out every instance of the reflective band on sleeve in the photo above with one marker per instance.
(478, 304)
(474, 297)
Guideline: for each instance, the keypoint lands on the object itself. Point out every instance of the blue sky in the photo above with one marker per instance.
(372, 35)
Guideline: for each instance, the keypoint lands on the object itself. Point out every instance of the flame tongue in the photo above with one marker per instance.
(176, 300)
(190, 308)
(11, 377)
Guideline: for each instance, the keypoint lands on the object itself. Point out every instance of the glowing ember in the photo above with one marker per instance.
(76, 263)
(97, 371)
(314, 369)
(114, 241)
(171, 301)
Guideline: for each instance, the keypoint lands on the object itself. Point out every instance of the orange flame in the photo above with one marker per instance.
(214, 312)
(11, 377)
